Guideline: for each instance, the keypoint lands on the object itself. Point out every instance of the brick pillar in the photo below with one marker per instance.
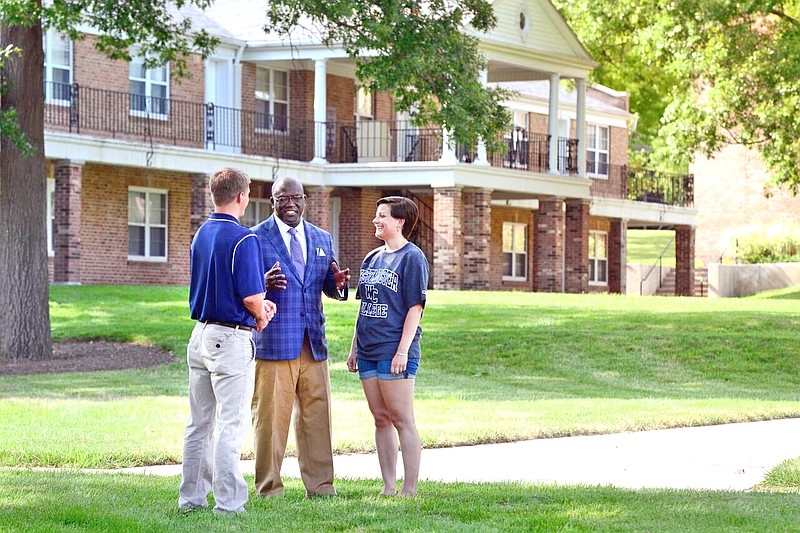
(617, 256)
(477, 258)
(202, 206)
(548, 245)
(448, 240)
(356, 231)
(67, 239)
(318, 206)
(576, 246)
(684, 260)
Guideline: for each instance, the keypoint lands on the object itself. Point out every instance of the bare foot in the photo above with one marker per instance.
(405, 493)
(389, 493)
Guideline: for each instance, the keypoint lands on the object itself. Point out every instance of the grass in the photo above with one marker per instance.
(74, 501)
(496, 367)
(644, 246)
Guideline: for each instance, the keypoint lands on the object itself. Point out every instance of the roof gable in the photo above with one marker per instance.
(536, 25)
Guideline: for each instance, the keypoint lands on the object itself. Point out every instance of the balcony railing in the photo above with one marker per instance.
(660, 187)
(642, 185)
(129, 116)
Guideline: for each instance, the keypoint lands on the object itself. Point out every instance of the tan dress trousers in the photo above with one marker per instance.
(280, 385)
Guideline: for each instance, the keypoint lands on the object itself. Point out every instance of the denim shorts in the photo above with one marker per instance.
(383, 369)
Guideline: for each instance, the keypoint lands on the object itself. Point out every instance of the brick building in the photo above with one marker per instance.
(733, 197)
(129, 152)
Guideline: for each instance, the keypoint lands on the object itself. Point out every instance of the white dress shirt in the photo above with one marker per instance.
(287, 237)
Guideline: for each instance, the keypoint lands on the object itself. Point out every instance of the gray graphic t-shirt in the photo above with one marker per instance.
(389, 285)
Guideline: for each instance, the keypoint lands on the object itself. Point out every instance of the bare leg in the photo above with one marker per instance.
(398, 396)
(385, 439)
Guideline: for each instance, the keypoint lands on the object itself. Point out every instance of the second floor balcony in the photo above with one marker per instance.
(129, 116)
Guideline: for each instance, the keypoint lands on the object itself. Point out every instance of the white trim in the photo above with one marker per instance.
(50, 220)
(147, 225)
(47, 39)
(597, 260)
(515, 228)
(269, 97)
(149, 83)
(596, 150)
(233, 255)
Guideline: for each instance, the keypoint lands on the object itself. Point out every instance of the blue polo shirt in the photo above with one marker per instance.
(226, 268)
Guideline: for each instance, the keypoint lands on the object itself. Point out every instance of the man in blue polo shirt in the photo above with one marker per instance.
(226, 297)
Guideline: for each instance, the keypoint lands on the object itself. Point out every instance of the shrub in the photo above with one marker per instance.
(777, 243)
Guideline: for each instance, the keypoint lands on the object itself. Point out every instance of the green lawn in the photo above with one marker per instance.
(68, 501)
(497, 366)
(644, 246)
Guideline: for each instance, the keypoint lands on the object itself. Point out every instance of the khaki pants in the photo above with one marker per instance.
(279, 386)
(220, 389)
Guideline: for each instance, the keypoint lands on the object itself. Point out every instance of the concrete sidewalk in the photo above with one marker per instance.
(723, 457)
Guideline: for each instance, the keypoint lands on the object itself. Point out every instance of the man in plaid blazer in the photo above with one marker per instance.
(292, 352)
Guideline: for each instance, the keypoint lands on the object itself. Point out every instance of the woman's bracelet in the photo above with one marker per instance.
(401, 354)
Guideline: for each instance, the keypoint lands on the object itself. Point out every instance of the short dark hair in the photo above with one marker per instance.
(402, 207)
(226, 184)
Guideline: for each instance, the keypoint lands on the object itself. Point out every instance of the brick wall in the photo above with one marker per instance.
(477, 235)
(67, 210)
(448, 238)
(684, 260)
(356, 231)
(617, 256)
(318, 206)
(104, 226)
(301, 95)
(576, 250)
(109, 113)
(501, 215)
(201, 203)
(549, 247)
(729, 195)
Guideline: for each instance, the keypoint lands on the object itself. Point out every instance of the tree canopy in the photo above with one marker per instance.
(702, 73)
(418, 52)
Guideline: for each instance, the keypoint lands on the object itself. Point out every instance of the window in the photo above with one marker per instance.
(515, 251)
(272, 99)
(597, 150)
(51, 216)
(365, 104)
(257, 210)
(147, 224)
(149, 89)
(57, 67)
(598, 258)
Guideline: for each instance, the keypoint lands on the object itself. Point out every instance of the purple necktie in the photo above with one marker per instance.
(297, 252)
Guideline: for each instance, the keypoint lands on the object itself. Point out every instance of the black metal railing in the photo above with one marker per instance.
(660, 187)
(124, 115)
(608, 181)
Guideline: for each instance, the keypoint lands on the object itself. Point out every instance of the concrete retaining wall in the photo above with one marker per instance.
(741, 280)
(635, 273)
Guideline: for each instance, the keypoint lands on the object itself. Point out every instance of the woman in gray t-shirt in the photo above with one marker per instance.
(385, 350)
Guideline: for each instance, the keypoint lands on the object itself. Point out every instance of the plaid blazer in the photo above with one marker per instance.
(300, 305)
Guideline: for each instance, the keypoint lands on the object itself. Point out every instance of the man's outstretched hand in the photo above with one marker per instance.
(342, 277)
(273, 278)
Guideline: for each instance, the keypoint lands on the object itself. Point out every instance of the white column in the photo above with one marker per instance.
(552, 124)
(320, 111)
(448, 151)
(580, 125)
(481, 158)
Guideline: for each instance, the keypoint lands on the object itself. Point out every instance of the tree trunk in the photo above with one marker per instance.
(24, 312)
